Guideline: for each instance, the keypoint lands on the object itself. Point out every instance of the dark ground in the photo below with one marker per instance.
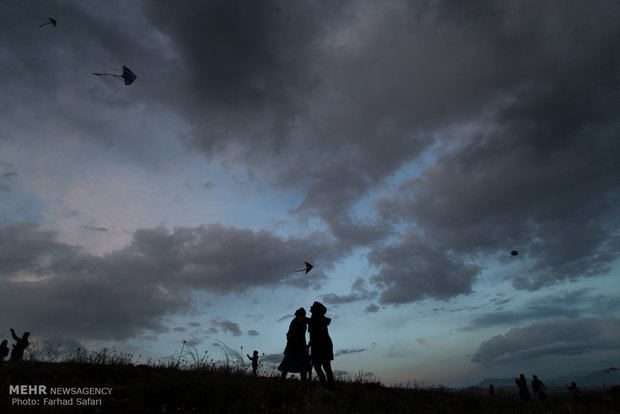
(211, 389)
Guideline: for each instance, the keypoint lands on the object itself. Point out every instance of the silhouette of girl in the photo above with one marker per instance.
(321, 344)
(522, 384)
(296, 353)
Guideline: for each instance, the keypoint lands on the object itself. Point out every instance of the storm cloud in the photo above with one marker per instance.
(414, 144)
(123, 293)
(552, 337)
(572, 305)
(413, 270)
(518, 103)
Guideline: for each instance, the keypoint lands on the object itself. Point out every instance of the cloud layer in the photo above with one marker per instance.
(436, 136)
(552, 337)
(124, 293)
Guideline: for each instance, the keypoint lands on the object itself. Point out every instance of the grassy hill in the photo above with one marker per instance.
(224, 389)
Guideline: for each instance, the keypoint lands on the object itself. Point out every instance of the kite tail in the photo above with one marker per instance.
(108, 74)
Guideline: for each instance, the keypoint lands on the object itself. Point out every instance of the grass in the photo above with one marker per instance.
(190, 383)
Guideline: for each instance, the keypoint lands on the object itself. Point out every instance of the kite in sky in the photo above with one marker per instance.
(514, 253)
(611, 369)
(307, 269)
(128, 76)
(52, 22)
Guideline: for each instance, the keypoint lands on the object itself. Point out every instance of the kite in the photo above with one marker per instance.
(307, 269)
(128, 76)
(52, 22)
(611, 369)
(514, 253)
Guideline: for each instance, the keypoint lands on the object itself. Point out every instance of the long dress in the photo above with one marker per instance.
(295, 355)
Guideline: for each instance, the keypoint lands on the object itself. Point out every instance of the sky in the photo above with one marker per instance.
(404, 148)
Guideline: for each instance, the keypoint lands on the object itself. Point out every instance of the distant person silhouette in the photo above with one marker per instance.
(296, 353)
(491, 391)
(539, 388)
(574, 391)
(17, 353)
(322, 348)
(521, 382)
(254, 359)
(4, 350)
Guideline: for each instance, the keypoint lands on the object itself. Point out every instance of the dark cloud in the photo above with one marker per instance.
(227, 326)
(240, 55)
(358, 292)
(256, 88)
(348, 351)
(553, 337)
(334, 299)
(500, 302)
(537, 169)
(56, 81)
(496, 193)
(513, 317)
(226, 259)
(571, 305)
(414, 270)
(245, 72)
(518, 103)
(372, 308)
(120, 294)
(25, 248)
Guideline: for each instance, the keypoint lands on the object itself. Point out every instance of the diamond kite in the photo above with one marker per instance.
(51, 21)
(128, 76)
(307, 269)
